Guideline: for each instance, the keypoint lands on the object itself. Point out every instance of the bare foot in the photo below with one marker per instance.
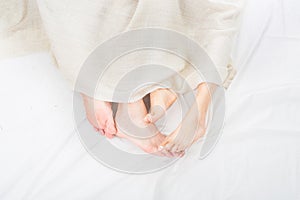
(193, 125)
(160, 101)
(131, 125)
(99, 114)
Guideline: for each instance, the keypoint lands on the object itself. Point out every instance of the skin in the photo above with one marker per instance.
(136, 112)
(160, 101)
(99, 114)
(193, 125)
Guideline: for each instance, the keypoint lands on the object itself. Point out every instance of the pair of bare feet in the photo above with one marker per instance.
(193, 126)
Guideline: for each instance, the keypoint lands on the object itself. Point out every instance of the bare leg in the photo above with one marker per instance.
(99, 114)
(161, 100)
(193, 125)
(133, 114)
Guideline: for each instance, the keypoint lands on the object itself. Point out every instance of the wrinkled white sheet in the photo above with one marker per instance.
(258, 156)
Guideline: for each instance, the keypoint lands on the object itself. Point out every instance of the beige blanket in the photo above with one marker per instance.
(71, 29)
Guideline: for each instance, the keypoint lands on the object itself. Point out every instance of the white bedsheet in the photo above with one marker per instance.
(258, 156)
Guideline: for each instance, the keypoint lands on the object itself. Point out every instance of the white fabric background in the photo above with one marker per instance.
(258, 156)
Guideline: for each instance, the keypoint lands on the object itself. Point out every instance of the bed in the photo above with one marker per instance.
(257, 157)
